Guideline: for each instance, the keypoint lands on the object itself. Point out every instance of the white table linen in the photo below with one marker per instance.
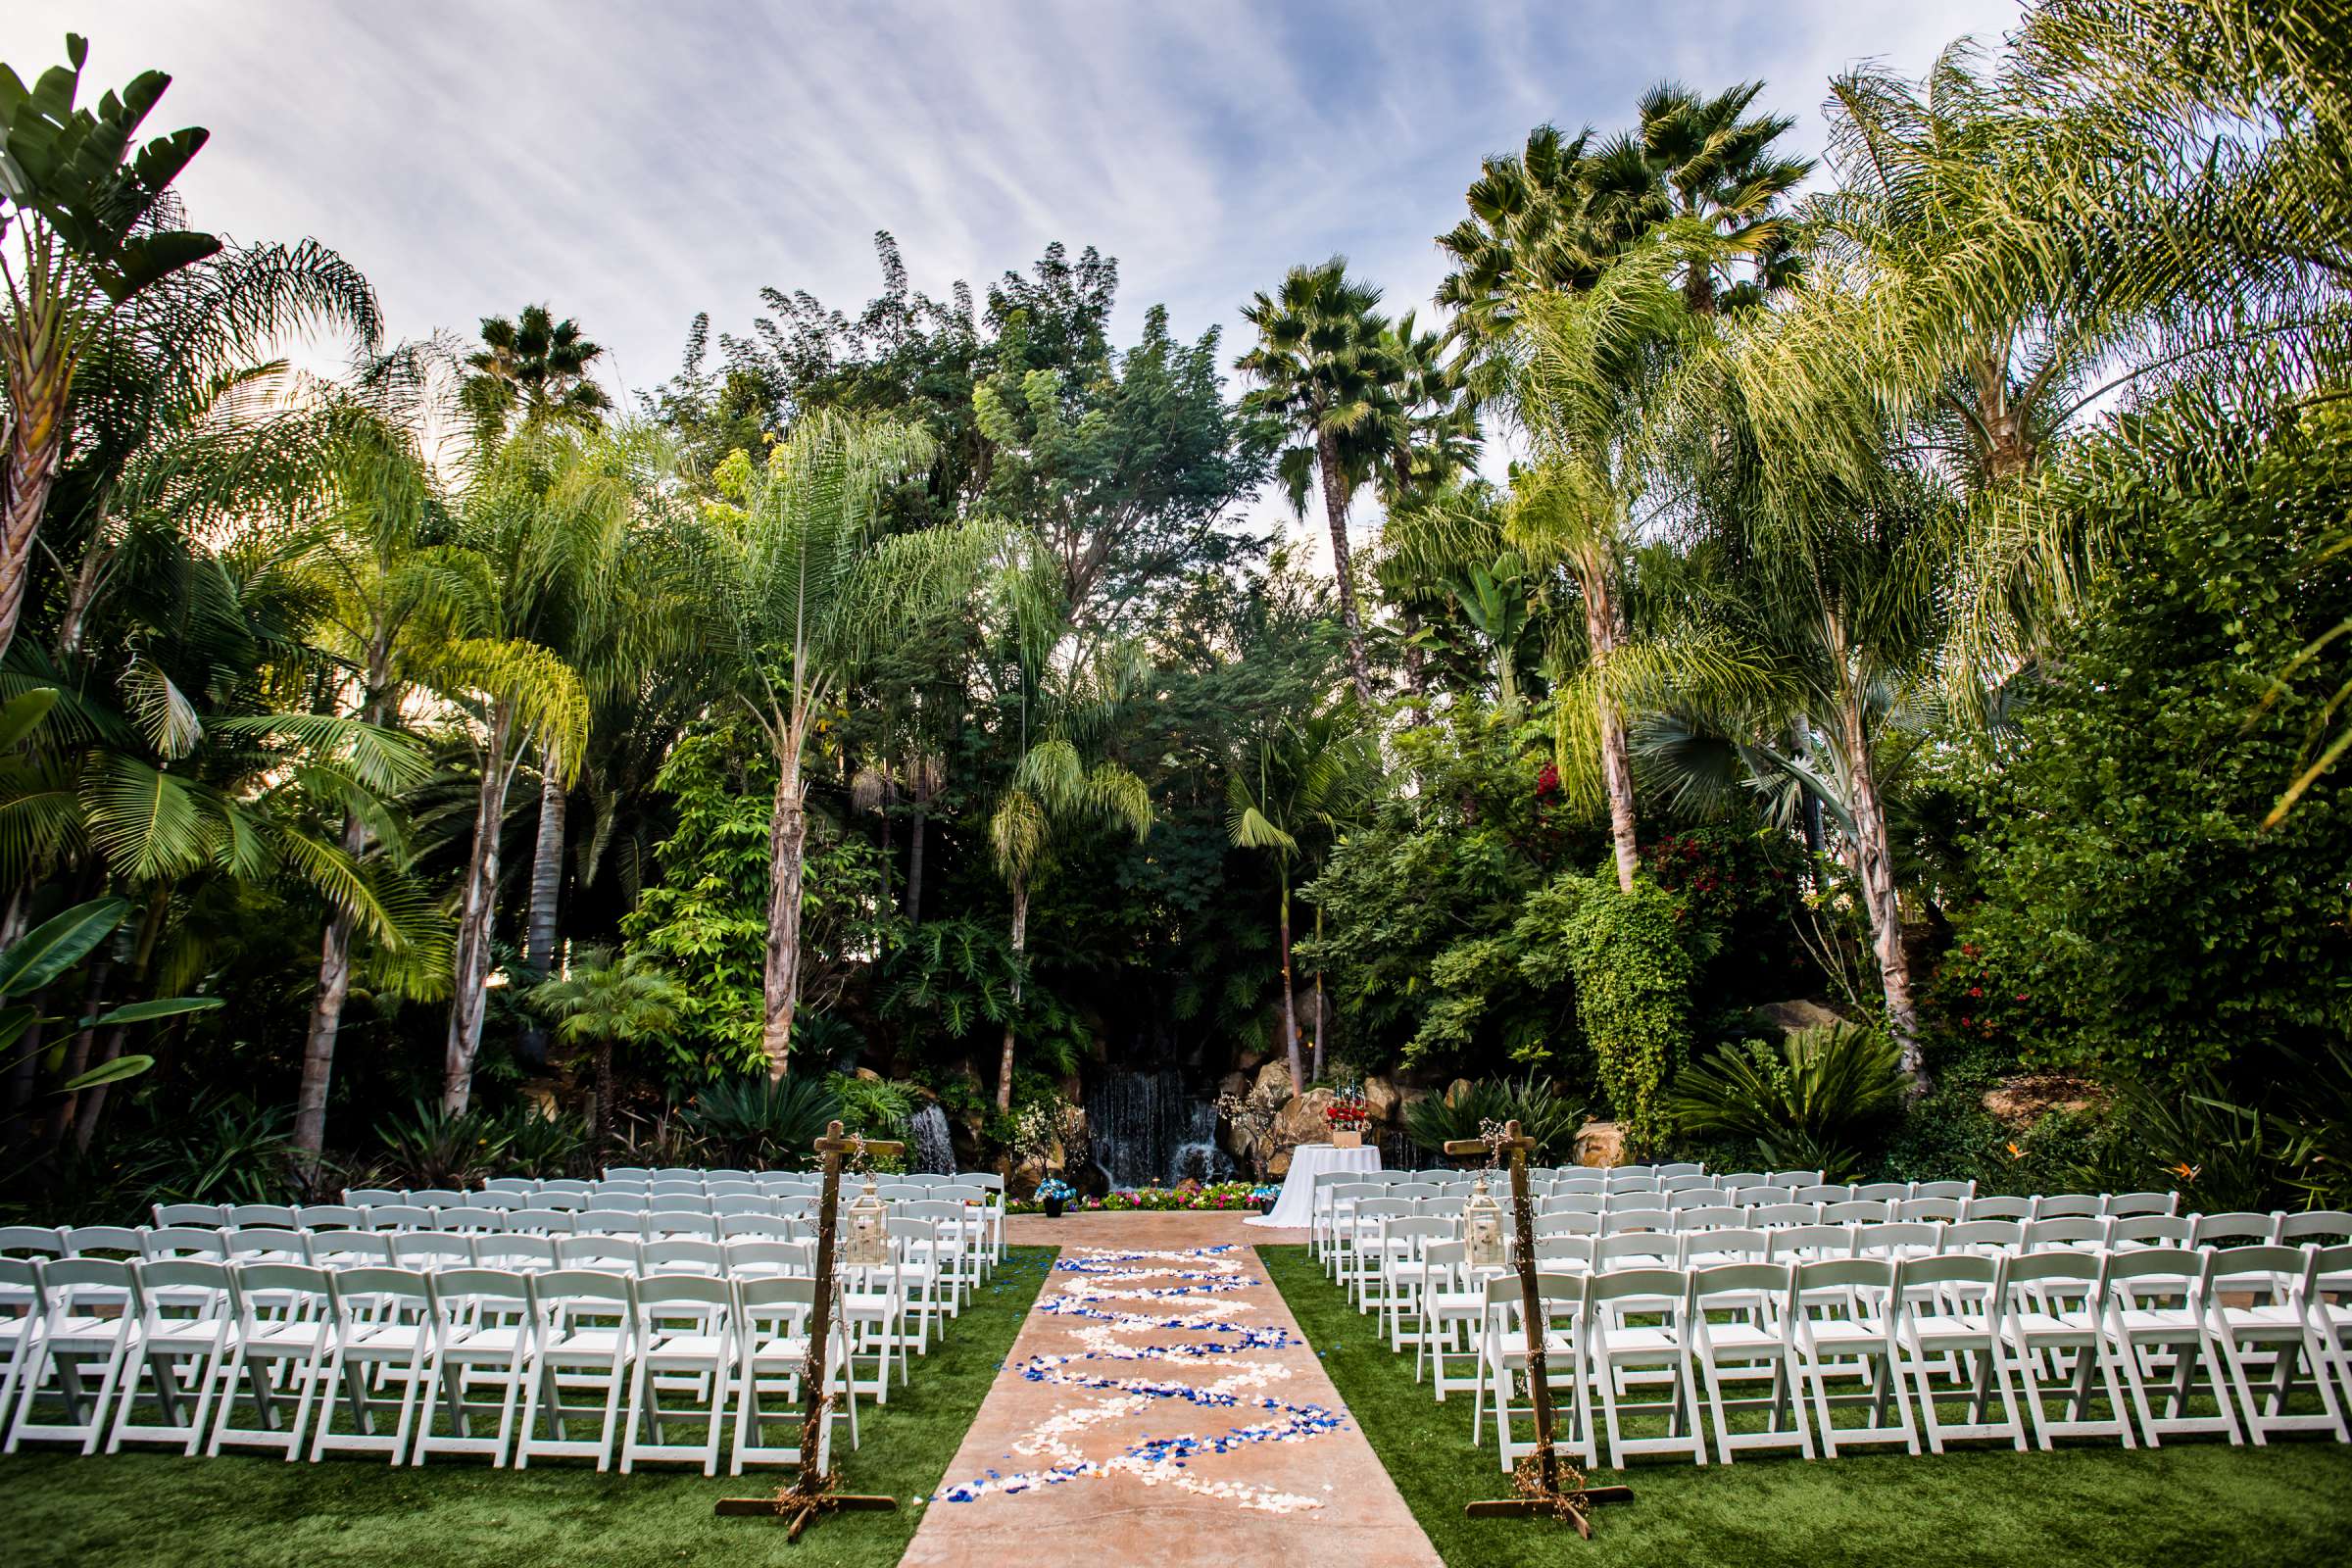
(1307, 1161)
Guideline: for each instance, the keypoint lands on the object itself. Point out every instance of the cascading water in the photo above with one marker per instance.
(932, 1151)
(1152, 1128)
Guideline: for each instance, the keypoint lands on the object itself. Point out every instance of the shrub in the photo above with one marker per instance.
(1542, 1112)
(431, 1148)
(1633, 993)
(753, 1121)
(221, 1149)
(540, 1144)
(1809, 1101)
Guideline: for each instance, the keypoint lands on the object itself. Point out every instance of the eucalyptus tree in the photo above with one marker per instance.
(1330, 385)
(1069, 694)
(98, 247)
(1291, 789)
(808, 588)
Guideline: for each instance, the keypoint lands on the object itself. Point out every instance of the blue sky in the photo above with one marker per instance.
(635, 163)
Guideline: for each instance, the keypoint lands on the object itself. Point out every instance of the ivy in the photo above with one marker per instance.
(1633, 993)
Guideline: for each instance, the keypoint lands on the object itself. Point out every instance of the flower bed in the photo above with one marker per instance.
(1233, 1197)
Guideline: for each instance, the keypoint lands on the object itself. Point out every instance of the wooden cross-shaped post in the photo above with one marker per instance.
(812, 1492)
(1548, 1494)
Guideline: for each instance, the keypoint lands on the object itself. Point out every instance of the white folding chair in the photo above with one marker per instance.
(587, 1332)
(384, 1321)
(2053, 1305)
(1638, 1322)
(2258, 1306)
(1740, 1333)
(1843, 1329)
(483, 1332)
(2155, 1320)
(1947, 1316)
(773, 1316)
(284, 1332)
(686, 1343)
(1503, 1362)
(185, 1316)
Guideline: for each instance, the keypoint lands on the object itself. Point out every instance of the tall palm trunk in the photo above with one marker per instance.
(1021, 947)
(1290, 996)
(1318, 992)
(78, 1050)
(38, 367)
(1616, 756)
(787, 851)
(914, 865)
(1874, 865)
(1336, 491)
(477, 910)
(91, 1107)
(547, 887)
(334, 949)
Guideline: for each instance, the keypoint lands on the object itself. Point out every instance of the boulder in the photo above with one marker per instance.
(2020, 1101)
(1301, 1120)
(1790, 1016)
(1279, 1166)
(1382, 1099)
(1455, 1090)
(1273, 1082)
(1234, 1083)
(1600, 1142)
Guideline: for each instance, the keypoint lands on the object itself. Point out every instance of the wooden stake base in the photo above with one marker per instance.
(801, 1510)
(1572, 1504)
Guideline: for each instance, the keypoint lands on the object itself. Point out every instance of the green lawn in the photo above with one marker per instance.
(2181, 1506)
(159, 1508)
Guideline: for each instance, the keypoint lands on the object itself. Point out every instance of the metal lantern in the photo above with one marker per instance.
(1481, 1227)
(869, 1229)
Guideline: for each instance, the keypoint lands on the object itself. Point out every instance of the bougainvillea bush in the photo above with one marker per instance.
(1229, 1197)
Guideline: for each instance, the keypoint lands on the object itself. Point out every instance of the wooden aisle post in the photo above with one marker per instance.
(1555, 1490)
(811, 1492)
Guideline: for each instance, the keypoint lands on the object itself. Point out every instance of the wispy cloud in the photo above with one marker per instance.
(633, 165)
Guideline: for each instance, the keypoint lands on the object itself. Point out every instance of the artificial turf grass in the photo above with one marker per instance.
(156, 1507)
(2191, 1503)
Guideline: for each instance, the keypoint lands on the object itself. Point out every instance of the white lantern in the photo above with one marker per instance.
(869, 1230)
(1481, 1227)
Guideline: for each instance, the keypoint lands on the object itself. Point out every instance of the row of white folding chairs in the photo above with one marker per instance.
(106, 1344)
(704, 1201)
(2250, 1329)
(2057, 1206)
(1382, 1263)
(747, 1220)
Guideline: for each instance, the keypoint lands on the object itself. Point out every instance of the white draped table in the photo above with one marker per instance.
(1307, 1161)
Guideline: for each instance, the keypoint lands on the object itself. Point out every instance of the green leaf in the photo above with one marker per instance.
(119, 1068)
(158, 1007)
(14, 1022)
(23, 714)
(55, 946)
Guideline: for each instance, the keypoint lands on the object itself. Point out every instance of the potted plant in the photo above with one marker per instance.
(1054, 1193)
(1347, 1118)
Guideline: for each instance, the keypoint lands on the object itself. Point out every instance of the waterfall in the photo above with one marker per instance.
(1151, 1128)
(932, 1151)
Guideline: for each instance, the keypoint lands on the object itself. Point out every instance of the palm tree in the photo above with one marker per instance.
(1328, 374)
(1302, 780)
(1696, 160)
(810, 590)
(600, 1002)
(1052, 791)
(98, 239)
(1530, 229)
(535, 367)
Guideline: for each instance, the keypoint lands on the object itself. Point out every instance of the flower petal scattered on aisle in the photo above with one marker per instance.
(1107, 1287)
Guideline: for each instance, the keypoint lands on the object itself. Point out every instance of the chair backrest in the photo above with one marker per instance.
(1795, 1179)
(1556, 1295)
(1853, 1211)
(773, 1296)
(1897, 1238)
(773, 1226)
(684, 1295)
(279, 1291)
(1557, 1249)
(244, 1215)
(616, 1255)
(625, 1171)
(1567, 1224)
(1793, 1241)
(2277, 1272)
(432, 1250)
(2030, 1272)
(682, 1255)
(2217, 1230)
(2069, 1205)
(2067, 1230)
(1728, 1241)
(662, 1223)
(1642, 1290)
(1828, 1283)
(1968, 1282)
(755, 1202)
(761, 1259)
(1774, 1216)
(1616, 1221)
(436, 1197)
(1371, 1209)
(156, 1276)
(564, 1184)
(1830, 1193)
(472, 1220)
(1579, 1184)
(1570, 1203)
(568, 1202)
(373, 1290)
(399, 1218)
(330, 1217)
(1997, 1208)
(541, 1221)
(1960, 1191)
(1883, 1193)
(1950, 1211)
(89, 1240)
(470, 1293)
(1650, 1247)
(1750, 1194)
(268, 1245)
(372, 1196)
(183, 1240)
(1682, 1169)
(2152, 1230)
(677, 1204)
(2153, 1272)
(2332, 1226)
(335, 1250)
(34, 1241)
(1984, 1235)
(508, 1249)
(511, 1184)
(2123, 1205)
(1733, 1181)
(1706, 1194)
(1725, 1216)
(1746, 1280)
(617, 1202)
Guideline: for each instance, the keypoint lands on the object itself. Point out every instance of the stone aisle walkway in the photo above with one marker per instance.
(1221, 1443)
